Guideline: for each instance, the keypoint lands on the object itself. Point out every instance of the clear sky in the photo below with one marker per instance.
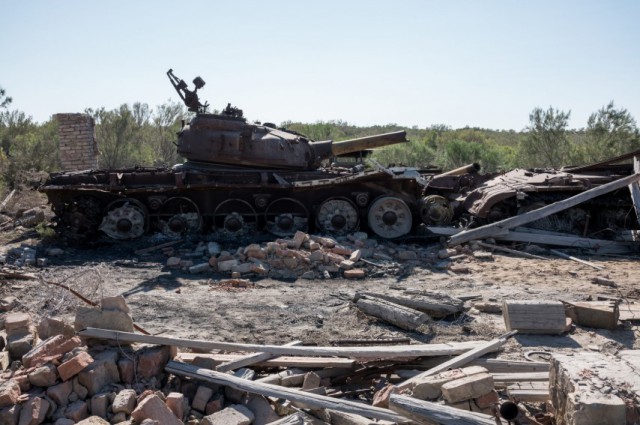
(460, 63)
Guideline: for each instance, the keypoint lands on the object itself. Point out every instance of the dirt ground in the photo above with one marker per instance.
(173, 303)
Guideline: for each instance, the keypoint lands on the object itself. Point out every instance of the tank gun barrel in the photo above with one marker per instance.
(363, 143)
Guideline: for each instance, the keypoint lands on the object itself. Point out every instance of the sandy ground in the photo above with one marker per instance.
(173, 303)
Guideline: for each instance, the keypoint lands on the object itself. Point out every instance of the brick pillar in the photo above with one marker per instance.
(78, 148)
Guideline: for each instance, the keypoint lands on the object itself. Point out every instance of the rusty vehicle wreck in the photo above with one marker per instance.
(240, 178)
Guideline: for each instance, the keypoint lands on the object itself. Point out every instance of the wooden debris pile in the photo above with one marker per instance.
(108, 374)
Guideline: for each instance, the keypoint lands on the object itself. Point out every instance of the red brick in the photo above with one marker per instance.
(152, 407)
(51, 347)
(9, 393)
(73, 366)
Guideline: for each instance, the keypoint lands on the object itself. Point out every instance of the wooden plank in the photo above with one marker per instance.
(426, 412)
(282, 361)
(381, 352)
(510, 251)
(510, 366)
(533, 392)
(577, 260)
(599, 246)
(524, 234)
(156, 247)
(7, 199)
(492, 229)
(396, 314)
(539, 317)
(510, 378)
(634, 188)
(460, 360)
(268, 390)
(249, 359)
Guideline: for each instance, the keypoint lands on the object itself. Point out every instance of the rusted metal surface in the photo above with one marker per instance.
(241, 178)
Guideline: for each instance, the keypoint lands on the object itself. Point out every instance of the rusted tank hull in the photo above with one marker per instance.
(124, 204)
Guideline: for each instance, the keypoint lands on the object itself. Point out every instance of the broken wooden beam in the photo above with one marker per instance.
(269, 390)
(382, 352)
(460, 360)
(156, 247)
(249, 359)
(396, 314)
(577, 260)
(6, 200)
(213, 360)
(533, 392)
(510, 251)
(501, 226)
(634, 188)
(434, 304)
(426, 412)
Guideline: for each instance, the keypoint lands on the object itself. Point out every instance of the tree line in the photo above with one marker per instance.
(137, 134)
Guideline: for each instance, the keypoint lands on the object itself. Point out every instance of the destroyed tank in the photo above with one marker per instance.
(239, 178)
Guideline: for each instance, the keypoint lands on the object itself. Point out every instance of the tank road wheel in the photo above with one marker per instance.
(81, 216)
(337, 216)
(435, 210)
(234, 217)
(389, 217)
(125, 219)
(285, 216)
(177, 216)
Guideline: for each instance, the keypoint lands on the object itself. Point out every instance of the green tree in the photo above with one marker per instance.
(610, 132)
(166, 122)
(12, 125)
(5, 100)
(546, 144)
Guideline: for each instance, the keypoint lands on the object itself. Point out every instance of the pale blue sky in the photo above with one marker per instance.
(460, 63)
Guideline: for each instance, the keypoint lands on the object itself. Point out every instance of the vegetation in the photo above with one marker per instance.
(139, 135)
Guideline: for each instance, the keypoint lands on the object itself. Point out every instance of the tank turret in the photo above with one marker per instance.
(228, 139)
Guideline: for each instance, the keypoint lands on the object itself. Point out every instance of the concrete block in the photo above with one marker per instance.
(99, 405)
(17, 322)
(89, 317)
(124, 402)
(60, 393)
(103, 371)
(203, 394)
(176, 403)
(582, 389)
(43, 376)
(93, 420)
(468, 387)
(235, 414)
(151, 361)
(77, 411)
(429, 387)
(10, 415)
(34, 411)
(9, 393)
(152, 407)
(52, 326)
